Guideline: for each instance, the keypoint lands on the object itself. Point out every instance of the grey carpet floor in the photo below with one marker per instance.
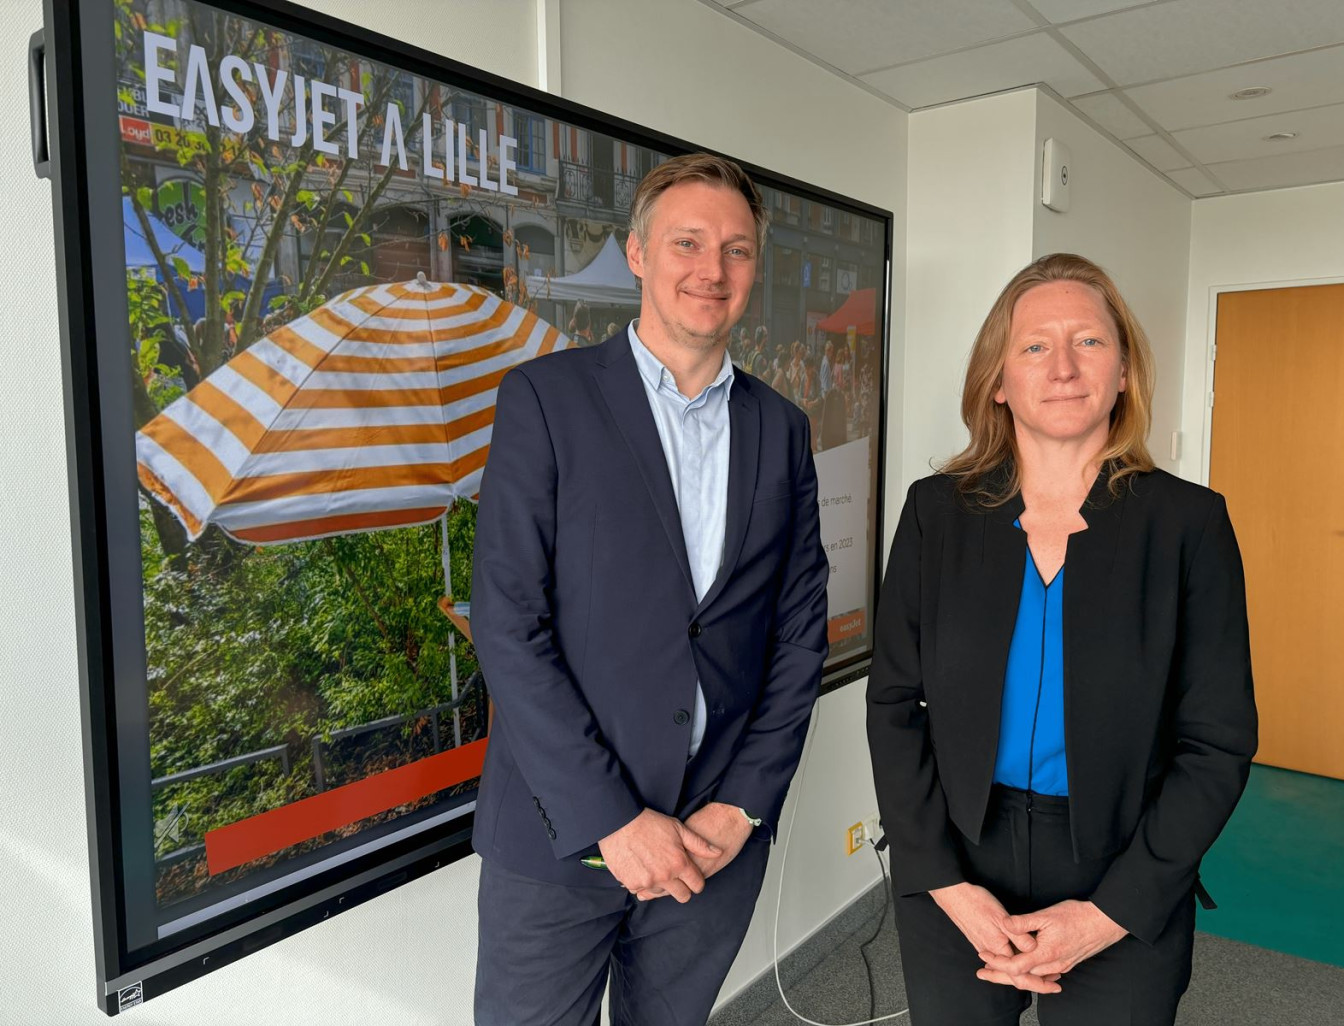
(1234, 984)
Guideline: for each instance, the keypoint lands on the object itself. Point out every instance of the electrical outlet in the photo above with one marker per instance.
(872, 827)
(854, 838)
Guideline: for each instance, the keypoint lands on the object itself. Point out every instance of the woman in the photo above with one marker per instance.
(1059, 710)
(780, 381)
(809, 395)
(795, 371)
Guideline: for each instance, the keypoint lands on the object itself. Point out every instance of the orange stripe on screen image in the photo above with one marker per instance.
(342, 523)
(195, 456)
(290, 341)
(385, 398)
(311, 439)
(440, 289)
(165, 495)
(236, 418)
(356, 364)
(353, 479)
(234, 845)
(267, 379)
(370, 305)
(329, 320)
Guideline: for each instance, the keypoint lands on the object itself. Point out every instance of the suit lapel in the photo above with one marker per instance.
(744, 448)
(621, 387)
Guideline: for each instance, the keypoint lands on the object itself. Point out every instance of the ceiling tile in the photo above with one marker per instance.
(1190, 36)
(1158, 152)
(1245, 140)
(1111, 114)
(860, 35)
(1302, 80)
(1060, 11)
(1194, 181)
(1284, 171)
(986, 69)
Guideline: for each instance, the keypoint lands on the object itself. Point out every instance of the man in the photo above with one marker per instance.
(649, 609)
(828, 369)
(758, 360)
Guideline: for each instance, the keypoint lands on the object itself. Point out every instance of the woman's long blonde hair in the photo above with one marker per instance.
(987, 469)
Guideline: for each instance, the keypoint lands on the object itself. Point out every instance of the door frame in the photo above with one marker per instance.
(1211, 339)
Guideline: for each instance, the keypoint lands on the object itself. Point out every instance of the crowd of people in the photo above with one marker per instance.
(836, 390)
(837, 387)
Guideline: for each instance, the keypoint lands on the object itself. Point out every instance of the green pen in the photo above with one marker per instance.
(594, 861)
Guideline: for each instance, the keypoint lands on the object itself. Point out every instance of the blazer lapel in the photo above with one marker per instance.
(621, 387)
(994, 603)
(1088, 620)
(744, 448)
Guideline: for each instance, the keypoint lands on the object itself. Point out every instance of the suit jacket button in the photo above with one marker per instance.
(550, 833)
(536, 801)
(680, 717)
(694, 630)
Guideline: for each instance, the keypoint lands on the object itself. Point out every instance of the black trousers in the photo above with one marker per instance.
(1025, 859)
(545, 951)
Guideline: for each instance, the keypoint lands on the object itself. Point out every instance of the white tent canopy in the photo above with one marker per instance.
(606, 281)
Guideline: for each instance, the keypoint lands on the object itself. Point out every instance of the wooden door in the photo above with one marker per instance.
(1278, 457)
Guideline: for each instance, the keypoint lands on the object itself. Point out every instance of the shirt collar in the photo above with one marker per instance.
(652, 370)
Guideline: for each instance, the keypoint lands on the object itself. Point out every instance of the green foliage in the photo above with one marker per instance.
(284, 644)
(150, 325)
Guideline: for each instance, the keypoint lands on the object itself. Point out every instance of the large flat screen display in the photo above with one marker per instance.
(297, 261)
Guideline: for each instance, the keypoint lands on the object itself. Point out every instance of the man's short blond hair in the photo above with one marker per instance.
(695, 167)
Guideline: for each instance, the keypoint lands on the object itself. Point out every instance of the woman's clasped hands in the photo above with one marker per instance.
(1030, 952)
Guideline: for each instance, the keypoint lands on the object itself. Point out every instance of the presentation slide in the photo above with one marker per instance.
(844, 492)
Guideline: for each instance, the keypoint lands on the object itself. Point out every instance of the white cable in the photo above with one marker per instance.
(779, 898)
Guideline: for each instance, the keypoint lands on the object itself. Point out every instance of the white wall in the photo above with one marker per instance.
(1265, 239)
(975, 219)
(969, 230)
(409, 956)
(1136, 225)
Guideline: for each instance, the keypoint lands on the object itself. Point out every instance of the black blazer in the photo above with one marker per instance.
(587, 625)
(1159, 716)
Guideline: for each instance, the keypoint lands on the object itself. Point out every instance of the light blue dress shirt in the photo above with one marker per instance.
(694, 433)
(1031, 723)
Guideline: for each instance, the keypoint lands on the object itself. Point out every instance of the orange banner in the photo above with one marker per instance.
(264, 834)
(848, 625)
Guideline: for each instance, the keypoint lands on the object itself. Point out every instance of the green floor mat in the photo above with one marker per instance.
(1277, 871)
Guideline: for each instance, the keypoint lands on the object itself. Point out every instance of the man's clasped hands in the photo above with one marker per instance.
(656, 855)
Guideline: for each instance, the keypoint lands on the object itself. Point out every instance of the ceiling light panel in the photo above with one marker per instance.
(861, 35)
(1107, 110)
(986, 69)
(1059, 11)
(1241, 140)
(1158, 152)
(1283, 171)
(1302, 80)
(1190, 36)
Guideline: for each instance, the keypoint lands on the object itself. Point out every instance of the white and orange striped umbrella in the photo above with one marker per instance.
(373, 411)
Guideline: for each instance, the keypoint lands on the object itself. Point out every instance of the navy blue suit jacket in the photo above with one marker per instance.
(588, 630)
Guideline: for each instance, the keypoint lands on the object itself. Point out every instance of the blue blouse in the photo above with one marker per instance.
(1031, 722)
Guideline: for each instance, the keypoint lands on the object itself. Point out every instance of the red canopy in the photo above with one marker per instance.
(857, 312)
